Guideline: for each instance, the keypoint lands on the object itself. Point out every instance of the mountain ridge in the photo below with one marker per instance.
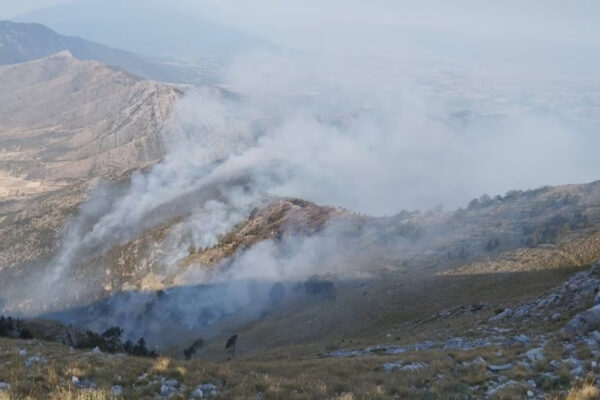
(22, 42)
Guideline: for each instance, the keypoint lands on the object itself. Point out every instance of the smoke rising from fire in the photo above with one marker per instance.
(375, 136)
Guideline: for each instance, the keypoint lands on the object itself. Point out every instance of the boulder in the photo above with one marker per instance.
(584, 322)
(208, 389)
(116, 390)
(499, 367)
(536, 354)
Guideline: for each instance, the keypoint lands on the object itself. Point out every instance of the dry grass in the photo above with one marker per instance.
(449, 375)
(355, 378)
(584, 391)
(347, 379)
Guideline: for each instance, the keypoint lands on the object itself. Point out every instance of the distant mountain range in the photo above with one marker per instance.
(147, 27)
(21, 42)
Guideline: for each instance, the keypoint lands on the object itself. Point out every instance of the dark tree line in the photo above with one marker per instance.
(110, 341)
(13, 328)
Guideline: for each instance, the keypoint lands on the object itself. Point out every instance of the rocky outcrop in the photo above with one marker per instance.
(580, 291)
(584, 322)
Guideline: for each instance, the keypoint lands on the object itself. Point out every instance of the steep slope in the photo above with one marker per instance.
(64, 123)
(407, 334)
(388, 273)
(62, 118)
(22, 42)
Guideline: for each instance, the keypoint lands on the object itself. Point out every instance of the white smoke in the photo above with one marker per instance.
(374, 136)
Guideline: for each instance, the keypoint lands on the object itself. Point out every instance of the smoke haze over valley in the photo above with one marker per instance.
(303, 177)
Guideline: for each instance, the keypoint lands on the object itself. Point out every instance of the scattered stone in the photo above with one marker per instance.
(346, 353)
(4, 387)
(555, 316)
(591, 343)
(96, 350)
(199, 394)
(390, 366)
(495, 389)
(536, 354)
(171, 382)
(523, 339)
(208, 389)
(143, 376)
(83, 383)
(584, 322)
(530, 393)
(479, 361)
(167, 391)
(23, 352)
(395, 350)
(415, 366)
(578, 371)
(576, 366)
(507, 312)
(500, 367)
(170, 387)
(116, 390)
(424, 346)
(37, 359)
(555, 364)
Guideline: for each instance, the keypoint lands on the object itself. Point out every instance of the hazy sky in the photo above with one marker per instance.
(435, 134)
(294, 21)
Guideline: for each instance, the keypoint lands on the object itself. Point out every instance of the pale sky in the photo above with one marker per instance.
(292, 22)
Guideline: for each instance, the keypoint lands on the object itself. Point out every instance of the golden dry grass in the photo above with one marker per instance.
(584, 391)
(449, 375)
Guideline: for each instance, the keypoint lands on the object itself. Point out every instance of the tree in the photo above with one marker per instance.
(113, 334)
(190, 351)
(3, 326)
(230, 345)
(25, 334)
(128, 347)
(140, 348)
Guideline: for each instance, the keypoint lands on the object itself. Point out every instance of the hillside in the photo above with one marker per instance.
(498, 343)
(271, 200)
(64, 123)
(68, 119)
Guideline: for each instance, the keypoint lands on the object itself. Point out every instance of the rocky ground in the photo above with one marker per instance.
(547, 347)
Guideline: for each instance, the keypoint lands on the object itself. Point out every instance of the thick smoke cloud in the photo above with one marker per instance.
(374, 135)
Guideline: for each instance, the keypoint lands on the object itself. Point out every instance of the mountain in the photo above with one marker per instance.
(467, 304)
(64, 123)
(63, 118)
(150, 28)
(21, 42)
